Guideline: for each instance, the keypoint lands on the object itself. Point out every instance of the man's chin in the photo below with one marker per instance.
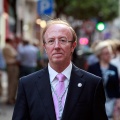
(58, 61)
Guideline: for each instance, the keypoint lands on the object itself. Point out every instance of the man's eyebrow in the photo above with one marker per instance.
(63, 37)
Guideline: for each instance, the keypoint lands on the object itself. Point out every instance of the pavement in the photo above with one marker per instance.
(6, 111)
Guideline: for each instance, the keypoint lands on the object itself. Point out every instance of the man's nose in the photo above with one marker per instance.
(57, 44)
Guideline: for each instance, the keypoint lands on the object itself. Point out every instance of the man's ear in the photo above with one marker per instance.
(74, 45)
(44, 48)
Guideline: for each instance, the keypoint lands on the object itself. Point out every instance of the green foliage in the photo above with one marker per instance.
(86, 9)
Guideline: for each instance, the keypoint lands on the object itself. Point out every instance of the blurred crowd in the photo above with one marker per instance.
(23, 57)
(19, 58)
(105, 63)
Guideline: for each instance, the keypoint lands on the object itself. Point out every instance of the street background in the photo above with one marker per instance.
(6, 111)
(21, 26)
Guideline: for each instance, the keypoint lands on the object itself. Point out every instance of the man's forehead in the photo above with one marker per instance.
(58, 28)
(58, 25)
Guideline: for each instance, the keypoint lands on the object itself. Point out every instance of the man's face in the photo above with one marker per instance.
(59, 53)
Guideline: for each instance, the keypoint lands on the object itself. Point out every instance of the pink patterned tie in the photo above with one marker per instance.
(59, 92)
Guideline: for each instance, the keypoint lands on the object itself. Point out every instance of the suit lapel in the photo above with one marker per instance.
(75, 88)
(44, 89)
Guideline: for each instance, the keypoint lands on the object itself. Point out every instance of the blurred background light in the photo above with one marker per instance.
(100, 26)
(25, 27)
(83, 41)
(38, 21)
(43, 23)
(5, 15)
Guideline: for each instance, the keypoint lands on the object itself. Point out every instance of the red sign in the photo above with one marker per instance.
(83, 41)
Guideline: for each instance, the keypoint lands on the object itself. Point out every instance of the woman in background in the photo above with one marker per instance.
(109, 74)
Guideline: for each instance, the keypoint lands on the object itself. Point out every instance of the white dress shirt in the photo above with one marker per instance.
(54, 81)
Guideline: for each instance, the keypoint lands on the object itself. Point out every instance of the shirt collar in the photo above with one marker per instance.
(66, 72)
(52, 73)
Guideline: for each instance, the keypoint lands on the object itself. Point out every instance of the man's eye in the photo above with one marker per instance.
(63, 40)
(51, 41)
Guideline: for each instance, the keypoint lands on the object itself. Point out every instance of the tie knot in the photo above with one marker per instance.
(60, 77)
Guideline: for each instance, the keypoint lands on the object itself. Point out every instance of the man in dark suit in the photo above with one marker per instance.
(83, 95)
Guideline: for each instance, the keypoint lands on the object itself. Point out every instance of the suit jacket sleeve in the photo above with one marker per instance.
(99, 103)
(21, 107)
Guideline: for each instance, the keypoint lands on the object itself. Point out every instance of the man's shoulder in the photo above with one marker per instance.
(90, 75)
(33, 76)
(86, 74)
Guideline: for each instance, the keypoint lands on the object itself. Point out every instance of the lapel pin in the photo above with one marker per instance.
(79, 85)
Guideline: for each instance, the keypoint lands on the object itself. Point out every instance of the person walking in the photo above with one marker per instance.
(27, 57)
(10, 55)
(2, 68)
(109, 73)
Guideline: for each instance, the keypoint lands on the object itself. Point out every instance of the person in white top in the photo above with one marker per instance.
(83, 93)
(116, 61)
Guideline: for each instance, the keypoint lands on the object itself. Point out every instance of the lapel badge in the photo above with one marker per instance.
(79, 85)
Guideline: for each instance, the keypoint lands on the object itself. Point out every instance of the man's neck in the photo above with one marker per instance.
(59, 67)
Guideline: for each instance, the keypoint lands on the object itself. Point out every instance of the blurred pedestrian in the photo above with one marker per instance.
(2, 68)
(93, 58)
(45, 58)
(116, 112)
(27, 57)
(116, 60)
(61, 91)
(108, 72)
(40, 60)
(10, 55)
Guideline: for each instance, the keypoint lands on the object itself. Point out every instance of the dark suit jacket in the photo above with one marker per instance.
(112, 86)
(34, 99)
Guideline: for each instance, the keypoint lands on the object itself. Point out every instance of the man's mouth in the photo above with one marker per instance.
(57, 54)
